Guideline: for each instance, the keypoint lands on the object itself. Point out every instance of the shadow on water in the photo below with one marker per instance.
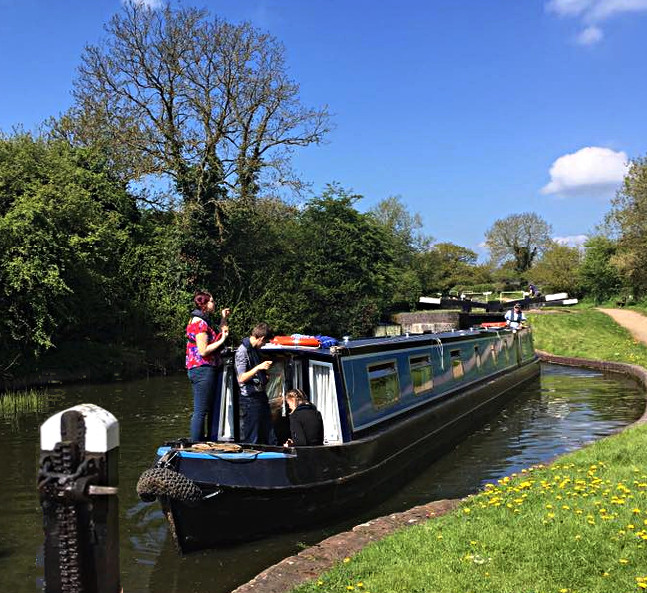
(560, 411)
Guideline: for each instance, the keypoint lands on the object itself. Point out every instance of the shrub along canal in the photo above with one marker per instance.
(560, 411)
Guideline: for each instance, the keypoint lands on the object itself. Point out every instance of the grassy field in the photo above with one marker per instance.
(585, 333)
(577, 526)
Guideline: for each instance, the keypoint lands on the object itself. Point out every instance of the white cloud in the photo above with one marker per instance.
(591, 171)
(572, 241)
(590, 36)
(592, 12)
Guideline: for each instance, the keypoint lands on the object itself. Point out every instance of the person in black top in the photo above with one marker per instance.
(306, 423)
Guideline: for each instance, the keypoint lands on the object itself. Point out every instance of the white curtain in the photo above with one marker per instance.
(226, 424)
(324, 395)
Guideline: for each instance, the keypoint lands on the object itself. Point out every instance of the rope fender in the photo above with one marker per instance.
(162, 481)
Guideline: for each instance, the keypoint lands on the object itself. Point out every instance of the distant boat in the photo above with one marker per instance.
(390, 406)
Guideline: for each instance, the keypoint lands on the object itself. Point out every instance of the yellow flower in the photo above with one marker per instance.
(623, 561)
(347, 559)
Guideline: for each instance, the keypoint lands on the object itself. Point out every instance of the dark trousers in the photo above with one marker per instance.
(206, 400)
(256, 420)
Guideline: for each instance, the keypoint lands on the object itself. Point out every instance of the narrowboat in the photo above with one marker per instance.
(390, 406)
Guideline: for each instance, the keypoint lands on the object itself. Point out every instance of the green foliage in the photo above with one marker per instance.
(557, 270)
(597, 275)
(347, 265)
(629, 218)
(65, 225)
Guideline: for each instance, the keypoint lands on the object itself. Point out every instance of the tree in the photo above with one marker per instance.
(597, 275)
(65, 227)
(519, 238)
(408, 241)
(557, 270)
(628, 218)
(347, 270)
(176, 93)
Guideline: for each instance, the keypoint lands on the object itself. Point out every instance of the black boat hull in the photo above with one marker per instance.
(316, 484)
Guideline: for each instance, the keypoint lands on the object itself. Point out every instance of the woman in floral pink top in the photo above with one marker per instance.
(202, 360)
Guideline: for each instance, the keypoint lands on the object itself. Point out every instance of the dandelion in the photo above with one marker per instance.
(346, 560)
(623, 561)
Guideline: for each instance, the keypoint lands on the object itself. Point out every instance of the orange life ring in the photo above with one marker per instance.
(308, 341)
(494, 324)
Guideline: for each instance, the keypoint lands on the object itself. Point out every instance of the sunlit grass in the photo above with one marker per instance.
(586, 333)
(578, 526)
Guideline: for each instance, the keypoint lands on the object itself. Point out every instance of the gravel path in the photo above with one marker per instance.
(636, 323)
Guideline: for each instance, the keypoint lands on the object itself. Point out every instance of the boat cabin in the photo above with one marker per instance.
(362, 385)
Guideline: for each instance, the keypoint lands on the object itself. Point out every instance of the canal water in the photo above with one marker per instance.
(560, 411)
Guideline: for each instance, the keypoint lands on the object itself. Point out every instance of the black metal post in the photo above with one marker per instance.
(77, 482)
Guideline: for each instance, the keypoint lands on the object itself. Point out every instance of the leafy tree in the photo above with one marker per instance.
(65, 226)
(446, 265)
(404, 231)
(628, 217)
(206, 102)
(347, 269)
(518, 238)
(597, 275)
(557, 270)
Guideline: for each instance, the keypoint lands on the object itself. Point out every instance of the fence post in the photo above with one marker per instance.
(77, 482)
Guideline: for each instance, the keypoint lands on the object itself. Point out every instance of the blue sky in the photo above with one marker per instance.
(468, 110)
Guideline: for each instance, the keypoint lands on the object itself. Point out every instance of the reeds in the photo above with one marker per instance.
(14, 403)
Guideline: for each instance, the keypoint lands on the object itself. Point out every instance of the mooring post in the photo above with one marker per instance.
(77, 482)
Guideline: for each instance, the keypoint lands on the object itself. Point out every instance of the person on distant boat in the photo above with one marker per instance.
(306, 423)
(532, 289)
(514, 317)
(202, 361)
(255, 414)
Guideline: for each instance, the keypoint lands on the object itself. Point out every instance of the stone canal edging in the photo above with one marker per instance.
(311, 562)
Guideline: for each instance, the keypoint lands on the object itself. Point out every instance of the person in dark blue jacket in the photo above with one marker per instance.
(306, 423)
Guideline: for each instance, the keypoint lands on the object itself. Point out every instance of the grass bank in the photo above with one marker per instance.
(577, 526)
(586, 333)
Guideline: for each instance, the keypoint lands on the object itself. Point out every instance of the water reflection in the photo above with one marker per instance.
(559, 412)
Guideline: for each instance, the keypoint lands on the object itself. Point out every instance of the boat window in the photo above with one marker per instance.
(297, 377)
(276, 387)
(384, 383)
(323, 394)
(495, 353)
(421, 373)
(457, 364)
(477, 356)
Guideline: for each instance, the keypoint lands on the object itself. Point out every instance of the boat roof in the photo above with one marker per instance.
(354, 345)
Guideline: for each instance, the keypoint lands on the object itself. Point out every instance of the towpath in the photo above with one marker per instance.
(636, 323)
